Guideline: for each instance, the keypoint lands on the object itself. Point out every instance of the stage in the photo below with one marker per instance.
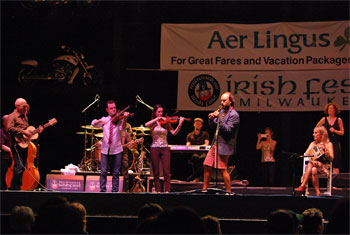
(245, 211)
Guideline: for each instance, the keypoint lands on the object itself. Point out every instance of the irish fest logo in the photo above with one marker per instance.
(342, 41)
(204, 90)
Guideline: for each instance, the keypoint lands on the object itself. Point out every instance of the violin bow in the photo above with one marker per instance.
(120, 112)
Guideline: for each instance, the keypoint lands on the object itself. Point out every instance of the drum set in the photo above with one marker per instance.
(92, 148)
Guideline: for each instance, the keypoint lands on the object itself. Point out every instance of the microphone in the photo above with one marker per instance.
(136, 101)
(97, 97)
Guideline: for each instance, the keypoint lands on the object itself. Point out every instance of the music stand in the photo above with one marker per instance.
(294, 156)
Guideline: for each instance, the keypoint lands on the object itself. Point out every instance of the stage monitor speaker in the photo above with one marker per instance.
(69, 183)
(93, 183)
(150, 183)
(341, 180)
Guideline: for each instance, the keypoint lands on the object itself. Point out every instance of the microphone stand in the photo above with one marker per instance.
(294, 156)
(216, 141)
(97, 98)
(82, 164)
(138, 99)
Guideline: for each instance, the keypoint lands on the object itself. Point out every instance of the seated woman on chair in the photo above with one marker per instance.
(322, 151)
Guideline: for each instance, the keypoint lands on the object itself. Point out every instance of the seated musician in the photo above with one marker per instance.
(197, 137)
(322, 150)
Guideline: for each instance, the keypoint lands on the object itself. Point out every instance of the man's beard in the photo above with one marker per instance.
(226, 107)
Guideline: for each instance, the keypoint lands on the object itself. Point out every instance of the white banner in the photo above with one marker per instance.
(242, 47)
(264, 90)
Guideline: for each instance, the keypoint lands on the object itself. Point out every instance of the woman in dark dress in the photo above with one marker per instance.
(335, 129)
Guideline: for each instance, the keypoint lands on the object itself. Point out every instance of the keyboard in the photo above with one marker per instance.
(190, 148)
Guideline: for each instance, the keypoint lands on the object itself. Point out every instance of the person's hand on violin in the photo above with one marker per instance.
(171, 120)
(213, 115)
(158, 119)
(126, 114)
(182, 119)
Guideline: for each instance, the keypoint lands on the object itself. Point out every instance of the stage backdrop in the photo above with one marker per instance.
(264, 90)
(268, 67)
(275, 46)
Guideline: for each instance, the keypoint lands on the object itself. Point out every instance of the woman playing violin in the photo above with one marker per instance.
(322, 149)
(160, 152)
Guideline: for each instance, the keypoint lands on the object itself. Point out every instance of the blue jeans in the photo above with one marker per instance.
(114, 162)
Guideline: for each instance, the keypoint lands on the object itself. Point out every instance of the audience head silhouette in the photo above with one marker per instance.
(282, 221)
(22, 220)
(312, 221)
(211, 224)
(149, 209)
(179, 220)
(338, 222)
(58, 215)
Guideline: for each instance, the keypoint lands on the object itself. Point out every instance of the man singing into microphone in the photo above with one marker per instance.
(228, 120)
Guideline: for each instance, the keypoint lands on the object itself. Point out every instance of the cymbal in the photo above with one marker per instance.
(140, 128)
(99, 135)
(142, 134)
(83, 133)
(91, 127)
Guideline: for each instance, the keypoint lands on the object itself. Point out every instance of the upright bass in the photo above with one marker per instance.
(31, 175)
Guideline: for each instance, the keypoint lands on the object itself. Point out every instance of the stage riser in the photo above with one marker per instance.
(128, 204)
(342, 180)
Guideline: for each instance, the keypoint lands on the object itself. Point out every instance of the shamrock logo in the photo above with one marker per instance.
(341, 41)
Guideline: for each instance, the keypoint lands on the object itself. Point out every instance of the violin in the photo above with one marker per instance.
(120, 115)
(173, 119)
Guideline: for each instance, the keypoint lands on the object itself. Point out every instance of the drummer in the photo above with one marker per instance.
(127, 137)
(130, 151)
